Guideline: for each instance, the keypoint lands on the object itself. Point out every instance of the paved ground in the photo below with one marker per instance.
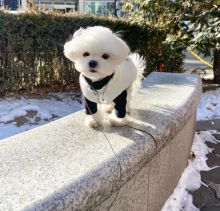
(191, 64)
(207, 198)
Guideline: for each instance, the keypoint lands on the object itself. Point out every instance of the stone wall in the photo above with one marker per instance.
(65, 166)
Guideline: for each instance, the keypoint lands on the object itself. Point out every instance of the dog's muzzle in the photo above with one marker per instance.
(93, 71)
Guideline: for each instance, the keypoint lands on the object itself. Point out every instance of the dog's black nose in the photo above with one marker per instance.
(93, 63)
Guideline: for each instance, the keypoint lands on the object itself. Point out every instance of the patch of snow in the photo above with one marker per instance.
(209, 106)
(190, 180)
(35, 111)
(12, 114)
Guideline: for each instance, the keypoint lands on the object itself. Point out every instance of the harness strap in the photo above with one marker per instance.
(95, 85)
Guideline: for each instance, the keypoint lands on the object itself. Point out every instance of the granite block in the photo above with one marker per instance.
(167, 102)
(131, 196)
(167, 166)
(66, 166)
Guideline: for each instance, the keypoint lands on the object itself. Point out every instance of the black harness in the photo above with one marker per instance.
(95, 85)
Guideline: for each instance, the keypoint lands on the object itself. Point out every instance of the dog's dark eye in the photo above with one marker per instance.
(86, 54)
(105, 56)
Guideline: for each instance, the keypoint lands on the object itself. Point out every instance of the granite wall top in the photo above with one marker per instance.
(65, 165)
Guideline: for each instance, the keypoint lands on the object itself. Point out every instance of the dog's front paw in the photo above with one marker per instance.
(91, 122)
(108, 108)
(115, 121)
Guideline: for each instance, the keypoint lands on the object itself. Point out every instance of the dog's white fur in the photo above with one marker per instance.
(97, 41)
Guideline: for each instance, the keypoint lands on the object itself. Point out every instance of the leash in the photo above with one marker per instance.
(110, 145)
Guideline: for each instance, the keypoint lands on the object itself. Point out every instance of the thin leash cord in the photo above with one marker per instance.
(116, 157)
(154, 140)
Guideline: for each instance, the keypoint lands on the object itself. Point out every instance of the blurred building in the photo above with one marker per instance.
(62, 5)
(97, 7)
(101, 8)
(10, 4)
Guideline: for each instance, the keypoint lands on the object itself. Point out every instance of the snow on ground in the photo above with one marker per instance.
(181, 199)
(209, 106)
(22, 114)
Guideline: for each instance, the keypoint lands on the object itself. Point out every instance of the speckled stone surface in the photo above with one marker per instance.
(166, 103)
(149, 189)
(65, 166)
(167, 166)
(131, 196)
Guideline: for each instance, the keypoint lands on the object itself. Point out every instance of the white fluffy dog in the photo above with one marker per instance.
(108, 73)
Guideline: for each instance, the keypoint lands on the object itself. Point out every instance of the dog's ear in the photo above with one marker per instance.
(78, 32)
(123, 49)
(70, 46)
(69, 50)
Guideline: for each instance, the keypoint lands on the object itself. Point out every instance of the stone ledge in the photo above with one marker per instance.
(64, 165)
(171, 100)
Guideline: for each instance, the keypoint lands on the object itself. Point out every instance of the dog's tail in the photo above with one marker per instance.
(140, 64)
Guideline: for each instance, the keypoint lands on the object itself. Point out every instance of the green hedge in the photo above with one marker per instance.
(31, 47)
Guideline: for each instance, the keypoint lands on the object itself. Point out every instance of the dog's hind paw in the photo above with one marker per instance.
(115, 121)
